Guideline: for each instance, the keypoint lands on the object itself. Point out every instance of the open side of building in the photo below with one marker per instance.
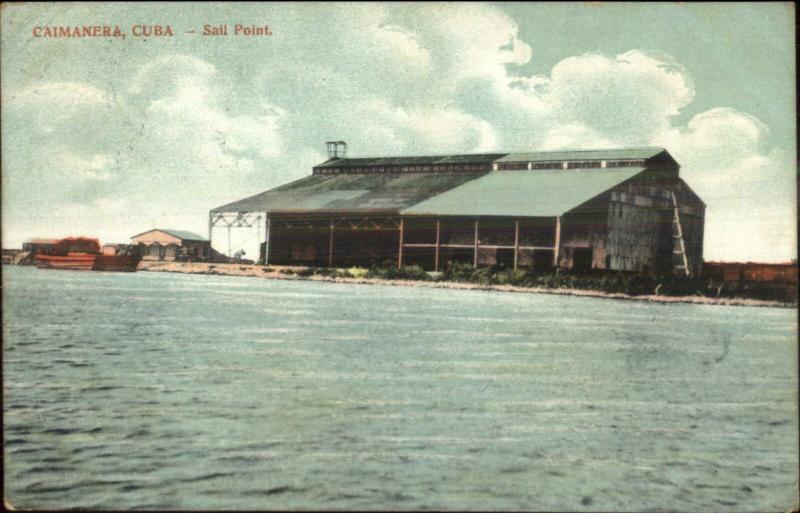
(620, 209)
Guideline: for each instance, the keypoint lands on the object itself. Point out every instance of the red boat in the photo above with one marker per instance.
(82, 253)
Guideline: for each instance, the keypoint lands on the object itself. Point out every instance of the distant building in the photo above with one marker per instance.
(38, 245)
(170, 245)
(112, 249)
(744, 272)
(618, 209)
(11, 256)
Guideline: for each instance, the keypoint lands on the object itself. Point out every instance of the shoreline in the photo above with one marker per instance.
(258, 271)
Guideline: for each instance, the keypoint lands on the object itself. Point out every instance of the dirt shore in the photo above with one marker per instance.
(274, 272)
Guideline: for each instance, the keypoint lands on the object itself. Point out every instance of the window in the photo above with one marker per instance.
(547, 165)
(584, 164)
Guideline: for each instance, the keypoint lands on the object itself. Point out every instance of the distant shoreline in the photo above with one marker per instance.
(258, 271)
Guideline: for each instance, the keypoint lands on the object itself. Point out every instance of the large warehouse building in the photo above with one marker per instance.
(619, 209)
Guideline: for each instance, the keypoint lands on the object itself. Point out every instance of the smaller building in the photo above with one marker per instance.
(38, 245)
(112, 249)
(171, 245)
(10, 256)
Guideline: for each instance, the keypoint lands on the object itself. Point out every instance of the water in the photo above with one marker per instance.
(161, 391)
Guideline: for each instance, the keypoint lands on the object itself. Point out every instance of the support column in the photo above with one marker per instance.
(266, 240)
(400, 250)
(229, 241)
(558, 241)
(436, 253)
(475, 257)
(330, 246)
(210, 232)
(516, 243)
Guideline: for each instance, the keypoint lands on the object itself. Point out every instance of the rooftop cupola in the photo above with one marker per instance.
(337, 149)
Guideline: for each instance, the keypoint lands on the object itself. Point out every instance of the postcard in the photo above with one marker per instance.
(399, 256)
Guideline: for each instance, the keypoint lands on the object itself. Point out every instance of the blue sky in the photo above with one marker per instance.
(112, 137)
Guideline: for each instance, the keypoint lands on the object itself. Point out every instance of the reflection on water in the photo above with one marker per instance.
(159, 391)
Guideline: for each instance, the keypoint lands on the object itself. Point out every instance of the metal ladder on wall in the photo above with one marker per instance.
(679, 248)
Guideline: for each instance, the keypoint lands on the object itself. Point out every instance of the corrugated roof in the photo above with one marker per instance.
(524, 193)
(351, 192)
(618, 153)
(536, 156)
(181, 234)
(412, 160)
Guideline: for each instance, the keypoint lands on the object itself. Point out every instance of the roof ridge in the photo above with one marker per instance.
(504, 152)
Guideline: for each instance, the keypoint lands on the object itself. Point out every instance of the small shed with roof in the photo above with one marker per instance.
(170, 245)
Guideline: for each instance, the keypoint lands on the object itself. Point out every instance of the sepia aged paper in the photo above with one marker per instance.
(399, 256)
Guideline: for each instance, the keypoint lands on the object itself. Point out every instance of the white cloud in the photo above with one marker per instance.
(93, 167)
(393, 80)
(60, 94)
(575, 135)
(405, 44)
(749, 187)
(442, 129)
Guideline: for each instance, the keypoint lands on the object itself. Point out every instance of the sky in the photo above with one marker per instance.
(113, 136)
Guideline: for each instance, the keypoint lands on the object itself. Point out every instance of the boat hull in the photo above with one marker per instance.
(117, 263)
(88, 262)
(81, 262)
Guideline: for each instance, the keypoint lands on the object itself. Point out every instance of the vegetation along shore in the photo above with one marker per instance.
(614, 286)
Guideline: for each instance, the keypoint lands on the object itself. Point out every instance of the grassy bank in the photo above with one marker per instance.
(617, 286)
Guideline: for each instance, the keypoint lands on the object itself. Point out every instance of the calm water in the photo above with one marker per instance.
(163, 391)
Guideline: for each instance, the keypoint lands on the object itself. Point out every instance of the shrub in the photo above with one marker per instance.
(358, 272)
(482, 275)
(391, 272)
(520, 278)
(414, 272)
(458, 271)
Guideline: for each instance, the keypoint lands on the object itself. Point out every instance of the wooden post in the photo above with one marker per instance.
(266, 241)
(210, 232)
(558, 241)
(330, 247)
(475, 258)
(516, 241)
(400, 251)
(436, 253)
(229, 241)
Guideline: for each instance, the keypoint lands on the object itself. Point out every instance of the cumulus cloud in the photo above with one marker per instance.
(749, 186)
(171, 133)
(60, 94)
(390, 80)
(92, 167)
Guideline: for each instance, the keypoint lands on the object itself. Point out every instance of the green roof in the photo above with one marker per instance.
(613, 154)
(413, 160)
(538, 193)
(351, 192)
(481, 193)
(536, 156)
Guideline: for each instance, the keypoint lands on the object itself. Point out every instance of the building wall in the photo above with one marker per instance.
(692, 214)
(583, 231)
(630, 228)
(639, 229)
(171, 252)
